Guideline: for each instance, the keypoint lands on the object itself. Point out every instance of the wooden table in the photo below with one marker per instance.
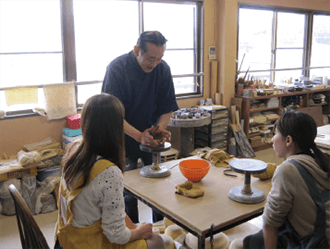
(196, 215)
(322, 139)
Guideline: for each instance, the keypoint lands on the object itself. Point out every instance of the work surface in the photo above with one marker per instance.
(196, 214)
(322, 139)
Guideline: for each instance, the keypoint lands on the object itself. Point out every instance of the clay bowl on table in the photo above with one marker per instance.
(194, 169)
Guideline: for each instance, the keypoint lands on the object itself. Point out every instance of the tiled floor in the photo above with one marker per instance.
(9, 236)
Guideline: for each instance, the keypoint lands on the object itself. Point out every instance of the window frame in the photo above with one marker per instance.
(307, 41)
(69, 44)
(69, 54)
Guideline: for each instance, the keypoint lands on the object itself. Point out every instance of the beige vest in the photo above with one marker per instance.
(91, 236)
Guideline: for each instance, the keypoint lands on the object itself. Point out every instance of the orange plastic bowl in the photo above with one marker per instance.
(194, 169)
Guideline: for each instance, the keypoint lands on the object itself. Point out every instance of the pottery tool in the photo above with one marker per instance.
(156, 170)
(247, 194)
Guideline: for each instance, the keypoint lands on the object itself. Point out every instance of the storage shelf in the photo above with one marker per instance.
(288, 94)
(306, 95)
(264, 109)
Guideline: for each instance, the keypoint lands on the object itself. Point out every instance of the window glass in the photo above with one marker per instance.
(180, 61)
(30, 69)
(30, 26)
(286, 58)
(31, 41)
(290, 30)
(287, 75)
(321, 45)
(30, 46)
(265, 44)
(185, 84)
(255, 39)
(86, 91)
(290, 46)
(110, 30)
(179, 30)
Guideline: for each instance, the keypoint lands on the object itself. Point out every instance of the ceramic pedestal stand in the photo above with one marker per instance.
(155, 170)
(247, 194)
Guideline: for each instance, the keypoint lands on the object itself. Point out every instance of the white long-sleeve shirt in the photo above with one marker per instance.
(102, 199)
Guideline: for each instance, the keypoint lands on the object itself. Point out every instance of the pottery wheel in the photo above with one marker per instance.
(247, 194)
(156, 170)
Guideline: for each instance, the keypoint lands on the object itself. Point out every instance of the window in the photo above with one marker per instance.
(30, 49)
(58, 41)
(280, 45)
(290, 45)
(255, 41)
(321, 45)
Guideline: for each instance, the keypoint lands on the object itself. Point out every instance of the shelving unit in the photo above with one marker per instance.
(306, 95)
(215, 134)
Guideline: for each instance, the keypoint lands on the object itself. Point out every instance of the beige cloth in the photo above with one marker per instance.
(217, 157)
(60, 100)
(24, 95)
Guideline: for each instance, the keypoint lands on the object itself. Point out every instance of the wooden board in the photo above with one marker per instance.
(214, 79)
(238, 103)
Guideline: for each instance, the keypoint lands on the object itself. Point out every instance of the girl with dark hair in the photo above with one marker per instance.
(91, 204)
(297, 212)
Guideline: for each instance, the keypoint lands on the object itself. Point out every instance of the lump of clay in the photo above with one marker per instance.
(174, 231)
(167, 222)
(220, 241)
(236, 244)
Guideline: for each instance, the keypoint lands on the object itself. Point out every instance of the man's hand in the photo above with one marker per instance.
(161, 134)
(148, 139)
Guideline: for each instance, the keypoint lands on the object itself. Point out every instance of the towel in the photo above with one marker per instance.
(60, 100)
(24, 95)
(218, 157)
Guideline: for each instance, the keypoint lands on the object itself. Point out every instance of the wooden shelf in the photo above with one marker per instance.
(306, 95)
(288, 94)
(324, 103)
(264, 109)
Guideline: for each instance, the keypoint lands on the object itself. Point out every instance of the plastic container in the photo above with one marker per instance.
(194, 169)
(74, 121)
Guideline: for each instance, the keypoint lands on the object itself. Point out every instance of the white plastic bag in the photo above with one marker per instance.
(45, 201)
(7, 202)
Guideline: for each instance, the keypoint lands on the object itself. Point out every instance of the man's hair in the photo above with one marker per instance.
(154, 37)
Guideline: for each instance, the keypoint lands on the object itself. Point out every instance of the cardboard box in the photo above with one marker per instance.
(18, 172)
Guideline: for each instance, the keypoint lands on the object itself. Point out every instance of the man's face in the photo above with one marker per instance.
(149, 60)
